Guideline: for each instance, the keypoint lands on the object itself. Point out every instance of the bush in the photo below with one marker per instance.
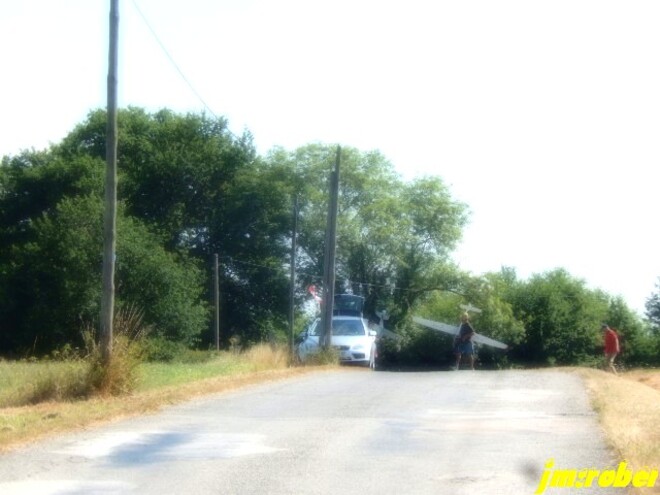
(118, 376)
(416, 347)
(160, 349)
(389, 352)
(491, 358)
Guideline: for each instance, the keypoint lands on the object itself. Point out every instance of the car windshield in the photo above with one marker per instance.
(347, 327)
(339, 327)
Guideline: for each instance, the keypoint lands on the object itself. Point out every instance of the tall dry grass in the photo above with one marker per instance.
(119, 375)
(629, 412)
(26, 383)
(266, 357)
(67, 375)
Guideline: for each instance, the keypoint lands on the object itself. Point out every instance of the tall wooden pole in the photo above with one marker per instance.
(216, 301)
(110, 214)
(331, 249)
(292, 290)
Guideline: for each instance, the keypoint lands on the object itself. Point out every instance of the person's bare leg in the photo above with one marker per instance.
(610, 363)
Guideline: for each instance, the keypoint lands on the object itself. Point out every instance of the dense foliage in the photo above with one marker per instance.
(189, 188)
(653, 310)
(551, 318)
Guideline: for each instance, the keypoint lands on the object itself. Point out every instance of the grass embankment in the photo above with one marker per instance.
(629, 409)
(157, 385)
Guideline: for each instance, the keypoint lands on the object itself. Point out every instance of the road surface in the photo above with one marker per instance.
(339, 432)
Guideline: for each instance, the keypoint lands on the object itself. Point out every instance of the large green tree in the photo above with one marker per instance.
(393, 237)
(653, 310)
(36, 306)
(55, 280)
(188, 188)
(203, 190)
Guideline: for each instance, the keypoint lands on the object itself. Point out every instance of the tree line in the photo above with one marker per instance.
(189, 188)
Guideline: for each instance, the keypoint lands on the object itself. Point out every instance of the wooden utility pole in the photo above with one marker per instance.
(216, 301)
(292, 291)
(110, 214)
(330, 251)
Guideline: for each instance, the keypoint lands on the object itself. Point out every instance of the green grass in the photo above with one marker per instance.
(200, 366)
(157, 375)
(25, 383)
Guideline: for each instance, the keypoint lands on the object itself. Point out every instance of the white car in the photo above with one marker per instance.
(351, 336)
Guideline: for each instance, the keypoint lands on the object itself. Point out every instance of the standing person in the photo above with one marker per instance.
(611, 347)
(463, 342)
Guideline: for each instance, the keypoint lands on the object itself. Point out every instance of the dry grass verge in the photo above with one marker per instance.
(629, 409)
(20, 425)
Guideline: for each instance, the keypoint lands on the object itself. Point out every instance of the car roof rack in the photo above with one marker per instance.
(348, 305)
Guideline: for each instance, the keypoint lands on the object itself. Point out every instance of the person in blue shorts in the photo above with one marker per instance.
(463, 342)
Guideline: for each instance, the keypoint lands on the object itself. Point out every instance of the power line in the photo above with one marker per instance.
(311, 276)
(173, 62)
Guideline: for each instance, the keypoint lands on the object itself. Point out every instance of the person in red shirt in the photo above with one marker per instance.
(611, 347)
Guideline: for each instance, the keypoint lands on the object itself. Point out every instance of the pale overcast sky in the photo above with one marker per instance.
(544, 117)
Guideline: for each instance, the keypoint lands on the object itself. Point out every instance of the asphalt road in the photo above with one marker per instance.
(339, 432)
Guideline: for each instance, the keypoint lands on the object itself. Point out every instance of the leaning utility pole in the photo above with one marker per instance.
(110, 214)
(330, 252)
